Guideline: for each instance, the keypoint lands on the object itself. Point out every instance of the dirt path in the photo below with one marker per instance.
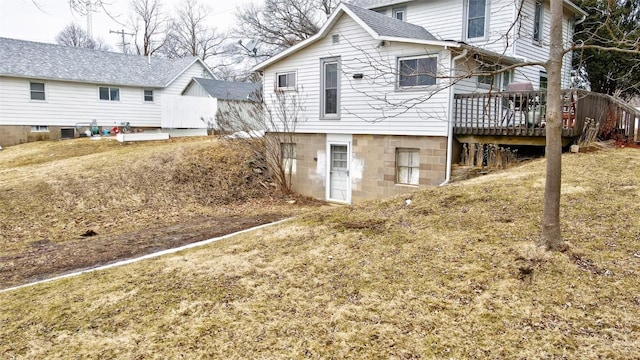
(47, 259)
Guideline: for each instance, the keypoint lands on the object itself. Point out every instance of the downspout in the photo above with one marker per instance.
(450, 125)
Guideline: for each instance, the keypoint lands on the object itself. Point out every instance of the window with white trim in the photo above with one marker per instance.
(288, 151)
(37, 91)
(39, 128)
(475, 19)
(148, 95)
(286, 81)
(330, 96)
(407, 166)
(417, 71)
(400, 13)
(109, 93)
(538, 21)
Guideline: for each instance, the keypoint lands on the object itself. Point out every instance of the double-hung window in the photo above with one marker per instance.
(407, 166)
(330, 77)
(286, 81)
(148, 95)
(476, 19)
(109, 93)
(37, 91)
(538, 21)
(417, 71)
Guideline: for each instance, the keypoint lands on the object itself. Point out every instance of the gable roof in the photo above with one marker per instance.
(372, 4)
(29, 59)
(227, 90)
(380, 27)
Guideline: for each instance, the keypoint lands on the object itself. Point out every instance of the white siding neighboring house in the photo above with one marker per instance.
(377, 92)
(235, 103)
(45, 88)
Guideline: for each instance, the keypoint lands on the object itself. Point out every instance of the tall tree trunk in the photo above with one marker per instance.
(551, 236)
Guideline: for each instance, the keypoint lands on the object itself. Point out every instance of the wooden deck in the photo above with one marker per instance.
(518, 118)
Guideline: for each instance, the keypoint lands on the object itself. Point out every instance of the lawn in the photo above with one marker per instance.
(135, 197)
(454, 274)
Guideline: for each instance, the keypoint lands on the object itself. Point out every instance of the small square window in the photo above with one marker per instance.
(286, 81)
(37, 91)
(407, 166)
(148, 95)
(109, 93)
(399, 13)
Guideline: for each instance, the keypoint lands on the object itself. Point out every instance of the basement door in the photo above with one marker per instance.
(339, 187)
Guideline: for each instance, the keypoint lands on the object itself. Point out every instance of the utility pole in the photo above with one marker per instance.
(121, 32)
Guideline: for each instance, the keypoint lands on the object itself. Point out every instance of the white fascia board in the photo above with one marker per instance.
(575, 8)
(75, 81)
(303, 44)
(446, 44)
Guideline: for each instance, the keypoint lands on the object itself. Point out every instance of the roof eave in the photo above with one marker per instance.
(575, 8)
(78, 81)
(445, 44)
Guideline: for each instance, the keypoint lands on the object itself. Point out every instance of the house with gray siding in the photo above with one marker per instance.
(48, 90)
(377, 83)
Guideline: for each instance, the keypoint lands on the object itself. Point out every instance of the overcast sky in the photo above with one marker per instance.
(22, 19)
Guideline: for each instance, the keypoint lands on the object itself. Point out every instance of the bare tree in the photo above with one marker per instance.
(74, 35)
(190, 35)
(279, 24)
(150, 26)
(268, 129)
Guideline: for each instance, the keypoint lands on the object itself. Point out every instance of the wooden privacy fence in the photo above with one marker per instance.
(523, 114)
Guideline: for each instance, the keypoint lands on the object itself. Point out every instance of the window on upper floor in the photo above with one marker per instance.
(109, 93)
(148, 95)
(407, 166)
(475, 19)
(400, 13)
(330, 96)
(37, 91)
(538, 21)
(286, 81)
(417, 71)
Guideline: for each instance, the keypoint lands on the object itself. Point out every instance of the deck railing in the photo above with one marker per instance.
(523, 114)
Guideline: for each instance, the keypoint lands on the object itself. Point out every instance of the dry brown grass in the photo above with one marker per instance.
(456, 274)
(53, 192)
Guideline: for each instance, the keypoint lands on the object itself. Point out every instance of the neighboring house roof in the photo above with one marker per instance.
(228, 90)
(380, 27)
(372, 4)
(29, 59)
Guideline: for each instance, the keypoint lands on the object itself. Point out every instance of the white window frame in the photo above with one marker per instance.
(409, 173)
(289, 153)
(289, 77)
(109, 92)
(402, 11)
(39, 128)
(466, 27)
(538, 22)
(417, 58)
(323, 88)
(43, 91)
(144, 95)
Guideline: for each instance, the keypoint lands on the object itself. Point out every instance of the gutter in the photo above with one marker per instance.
(450, 125)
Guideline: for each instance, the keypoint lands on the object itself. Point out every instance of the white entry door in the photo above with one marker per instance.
(339, 188)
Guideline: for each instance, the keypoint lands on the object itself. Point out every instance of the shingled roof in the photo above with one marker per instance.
(229, 90)
(387, 26)
(55, 62)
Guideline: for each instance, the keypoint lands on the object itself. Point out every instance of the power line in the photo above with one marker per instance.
(121, 32)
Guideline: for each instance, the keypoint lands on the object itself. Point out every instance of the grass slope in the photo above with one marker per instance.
(455, 274)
